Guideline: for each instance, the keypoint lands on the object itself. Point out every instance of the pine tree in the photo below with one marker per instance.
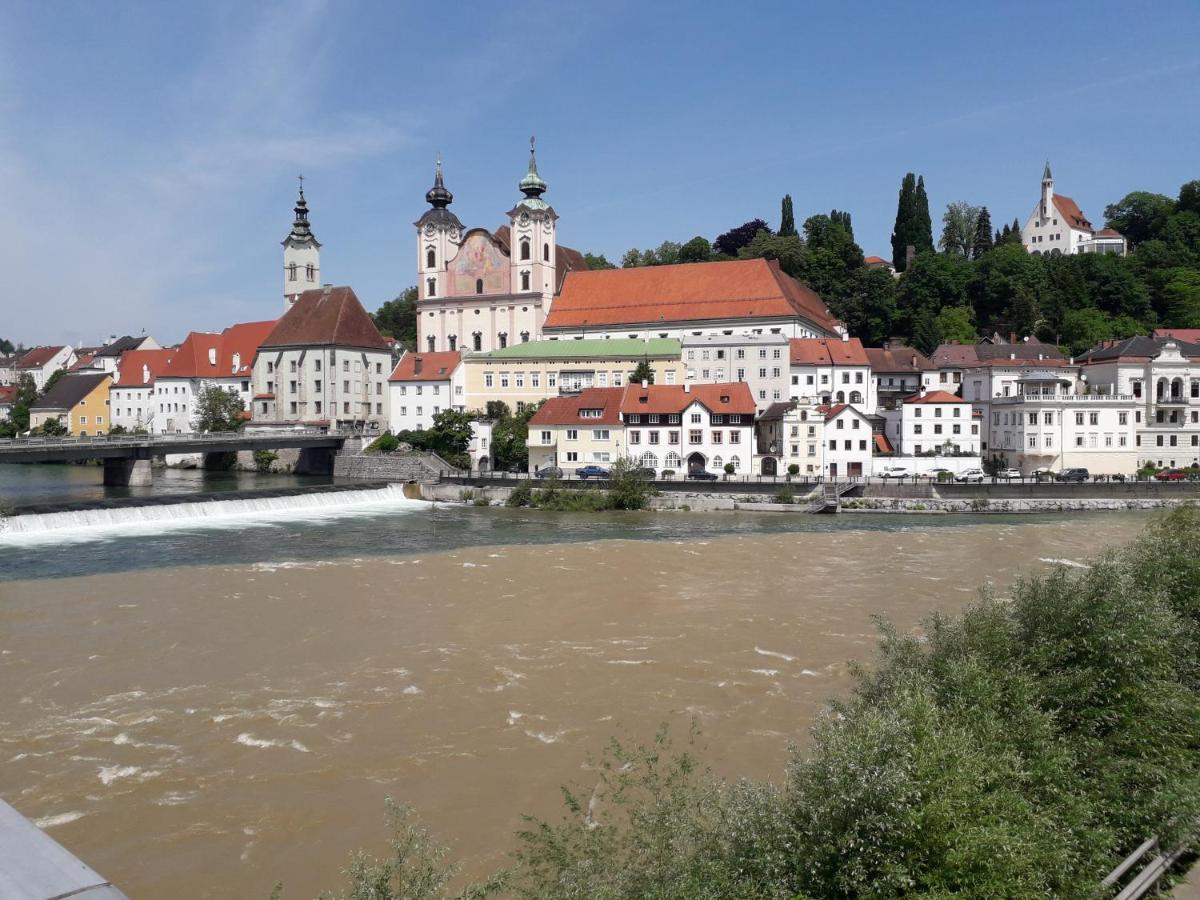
(924, 224)
(787, 220)
(902, 231)
(983, 235)
(1014, 236)
(998, 238)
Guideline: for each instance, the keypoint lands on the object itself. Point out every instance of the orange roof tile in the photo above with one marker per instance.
(1071, 212)
(433, 366)
(1190, 335)
(733, 289)
(828, 352)
(139, 368)
(37, 357)
(731, 397)
(883, 445)
(935, 397)
(193, 360)
(327, 316)
(567, 410)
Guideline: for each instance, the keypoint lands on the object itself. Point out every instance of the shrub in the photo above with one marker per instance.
(482, 501)
(793, 470)
(520, 495)
(384, 444)
(785, 494)
(729, 469)
(626, 488)
(263, 459)
(467, 494)
(667, 473)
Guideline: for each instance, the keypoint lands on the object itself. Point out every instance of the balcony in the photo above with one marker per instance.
(1064, 398)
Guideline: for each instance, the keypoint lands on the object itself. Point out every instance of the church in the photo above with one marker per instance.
(481, 290)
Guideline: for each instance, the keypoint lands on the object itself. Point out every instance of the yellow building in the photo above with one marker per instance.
(80, 402)
(525, 374)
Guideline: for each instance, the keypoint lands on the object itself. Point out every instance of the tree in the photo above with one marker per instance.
(698, 249)
(217, 409)
(932, 282)
(1139, 215)
(956, 324)
(1189, 199)
(924, 226)
(398, 318)
(789, 251)
(497, 409)
(55, 377)
(597, 262)
(26, 395)
(450, 434)
(510, 440)
(6, 346)
(983, 234)
(913, 226)
(643, 372)
(735, 239)
(1182, 299)
(960, 223)
(787, 220)
(667, 254)
(842, 218)
(53, 427)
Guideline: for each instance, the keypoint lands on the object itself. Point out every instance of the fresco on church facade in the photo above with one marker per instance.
(478, 259)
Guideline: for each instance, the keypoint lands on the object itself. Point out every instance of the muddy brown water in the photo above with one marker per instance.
(206, 732)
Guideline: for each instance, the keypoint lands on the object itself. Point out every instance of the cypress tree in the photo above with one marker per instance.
(902, 231)
(1015, 234)
(998, 238)
(787, 221)
(983, 234)
(924, 224)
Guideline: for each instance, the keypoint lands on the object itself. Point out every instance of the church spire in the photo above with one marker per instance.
(437, 196)
(301, 230)
(532, 185)
(1046, 176)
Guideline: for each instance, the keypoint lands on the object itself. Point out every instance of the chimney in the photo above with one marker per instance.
(845, 337)
(1012, 356)
(417, 365)
(1012, 337)
(645, 384)
(687, 388)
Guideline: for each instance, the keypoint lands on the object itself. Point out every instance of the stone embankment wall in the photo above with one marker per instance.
(419, 467)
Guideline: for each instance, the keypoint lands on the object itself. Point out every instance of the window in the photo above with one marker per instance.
(453, 339)
(653, 437)
(479, 285)
(430, 340)
(1048, 418)
(695, 418)
(430, 259)
(83, 420)
(524, 249)
(503, 339)
(735, 437)
(1094, 418)
(695, 436)
(716, 437)
(430, 290)
(635, 437)
(487, 379)
(572, 456)
(535, 379)
(503, 379)
(546, 437)
(599, 434)
(519, 379)
(917, 428)
(524, 281)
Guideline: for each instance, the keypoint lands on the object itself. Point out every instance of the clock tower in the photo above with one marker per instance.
(532, 233)
(301, 255)
(439, 234)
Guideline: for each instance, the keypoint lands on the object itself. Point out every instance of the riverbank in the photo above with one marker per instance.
(205, 731)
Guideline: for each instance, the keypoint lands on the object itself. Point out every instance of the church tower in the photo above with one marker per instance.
(439, 234)
(301, 255)
(1047, 191)
(531, 248)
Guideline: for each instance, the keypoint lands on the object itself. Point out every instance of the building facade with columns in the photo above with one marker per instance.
(479, 290)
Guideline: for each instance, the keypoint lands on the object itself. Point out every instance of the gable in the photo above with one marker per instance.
(479, 258)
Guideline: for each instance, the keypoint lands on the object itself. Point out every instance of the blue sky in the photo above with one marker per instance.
(148, 151)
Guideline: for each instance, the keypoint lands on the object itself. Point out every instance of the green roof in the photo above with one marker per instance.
(621, 348)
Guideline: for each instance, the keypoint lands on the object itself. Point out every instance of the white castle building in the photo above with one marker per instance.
(1058, 227)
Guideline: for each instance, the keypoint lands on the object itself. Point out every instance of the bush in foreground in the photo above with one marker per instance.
(1019, 749)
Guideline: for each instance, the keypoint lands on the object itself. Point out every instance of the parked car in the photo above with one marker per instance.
(592, 472)
(1078, 476)
(1009, 473)
(970, 476)
(894, 472)
(702, 475)
(1043, 474)
(940, 474)
(550, 472)
(1171, 475)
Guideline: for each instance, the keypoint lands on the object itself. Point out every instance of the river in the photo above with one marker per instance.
(203, 711)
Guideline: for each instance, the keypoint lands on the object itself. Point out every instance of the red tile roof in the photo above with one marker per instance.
(133, 365)
(650, 295)
(883, 445)
(935, 397)
(1070, 211)
(327, 316)
(876, 261)
(1190, 335)
(897, 359)
(566, 410)
(37, 357)
(81, 362)
(1108, 232)
(827, 352)
(7, 393)
(193, 360)
(434, 366)
(732, 397)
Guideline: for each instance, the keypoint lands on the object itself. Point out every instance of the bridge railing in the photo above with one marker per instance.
(142, 440)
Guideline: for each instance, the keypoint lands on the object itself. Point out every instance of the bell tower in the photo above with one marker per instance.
(439, 234)
(301, 255)
(533, 224)
(1047, 191)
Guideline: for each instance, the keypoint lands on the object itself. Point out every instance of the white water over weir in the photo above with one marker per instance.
(158, 516)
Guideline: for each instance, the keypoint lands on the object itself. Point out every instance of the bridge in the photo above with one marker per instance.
(126, 457)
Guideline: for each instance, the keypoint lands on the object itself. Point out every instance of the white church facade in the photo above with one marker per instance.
(1058, 227)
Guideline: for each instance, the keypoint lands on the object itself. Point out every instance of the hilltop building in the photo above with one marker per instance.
(1058, 227)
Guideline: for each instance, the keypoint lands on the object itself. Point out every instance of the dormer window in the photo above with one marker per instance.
(524, 249)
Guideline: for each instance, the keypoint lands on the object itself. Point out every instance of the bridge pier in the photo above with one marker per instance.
(123, 472)
(315, 461)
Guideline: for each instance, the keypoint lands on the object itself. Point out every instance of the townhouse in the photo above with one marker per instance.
(79, 402)
(834, 370)
(41, 362)
(577, 430)
(760, 360)
(850, 442)
(421, 386)
(936, 422)
(133, 404)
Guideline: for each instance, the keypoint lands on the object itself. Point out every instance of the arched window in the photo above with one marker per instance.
(311, 272)
(524, 337)
(546, 252)
(453, 341)
(803, 415)
(649, 460)
(717, 463)
(503, 339)
(672, 461)
(735, 462)
(430, 287)
(430, 259)
(841, 396)
(477, 340)
(855, 397)
(524, 249)
(524, 281)
(292, 272)
(479, 285)
(430, 340)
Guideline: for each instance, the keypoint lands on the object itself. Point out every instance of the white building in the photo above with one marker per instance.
(8, 395)
(106, 358)
(760, 360)
(481, 291)
(204, 359)
(1046, 424)
(936, 422)
(834, 370)
(480, 449)
(42, 362)
(1162, 375)
(324, 363)
(132, 401)
(898, 372)
(422, 385)
(696, 427)
(1058, 227)
(849, 442)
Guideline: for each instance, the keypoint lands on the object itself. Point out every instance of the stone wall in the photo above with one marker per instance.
(396, 467)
